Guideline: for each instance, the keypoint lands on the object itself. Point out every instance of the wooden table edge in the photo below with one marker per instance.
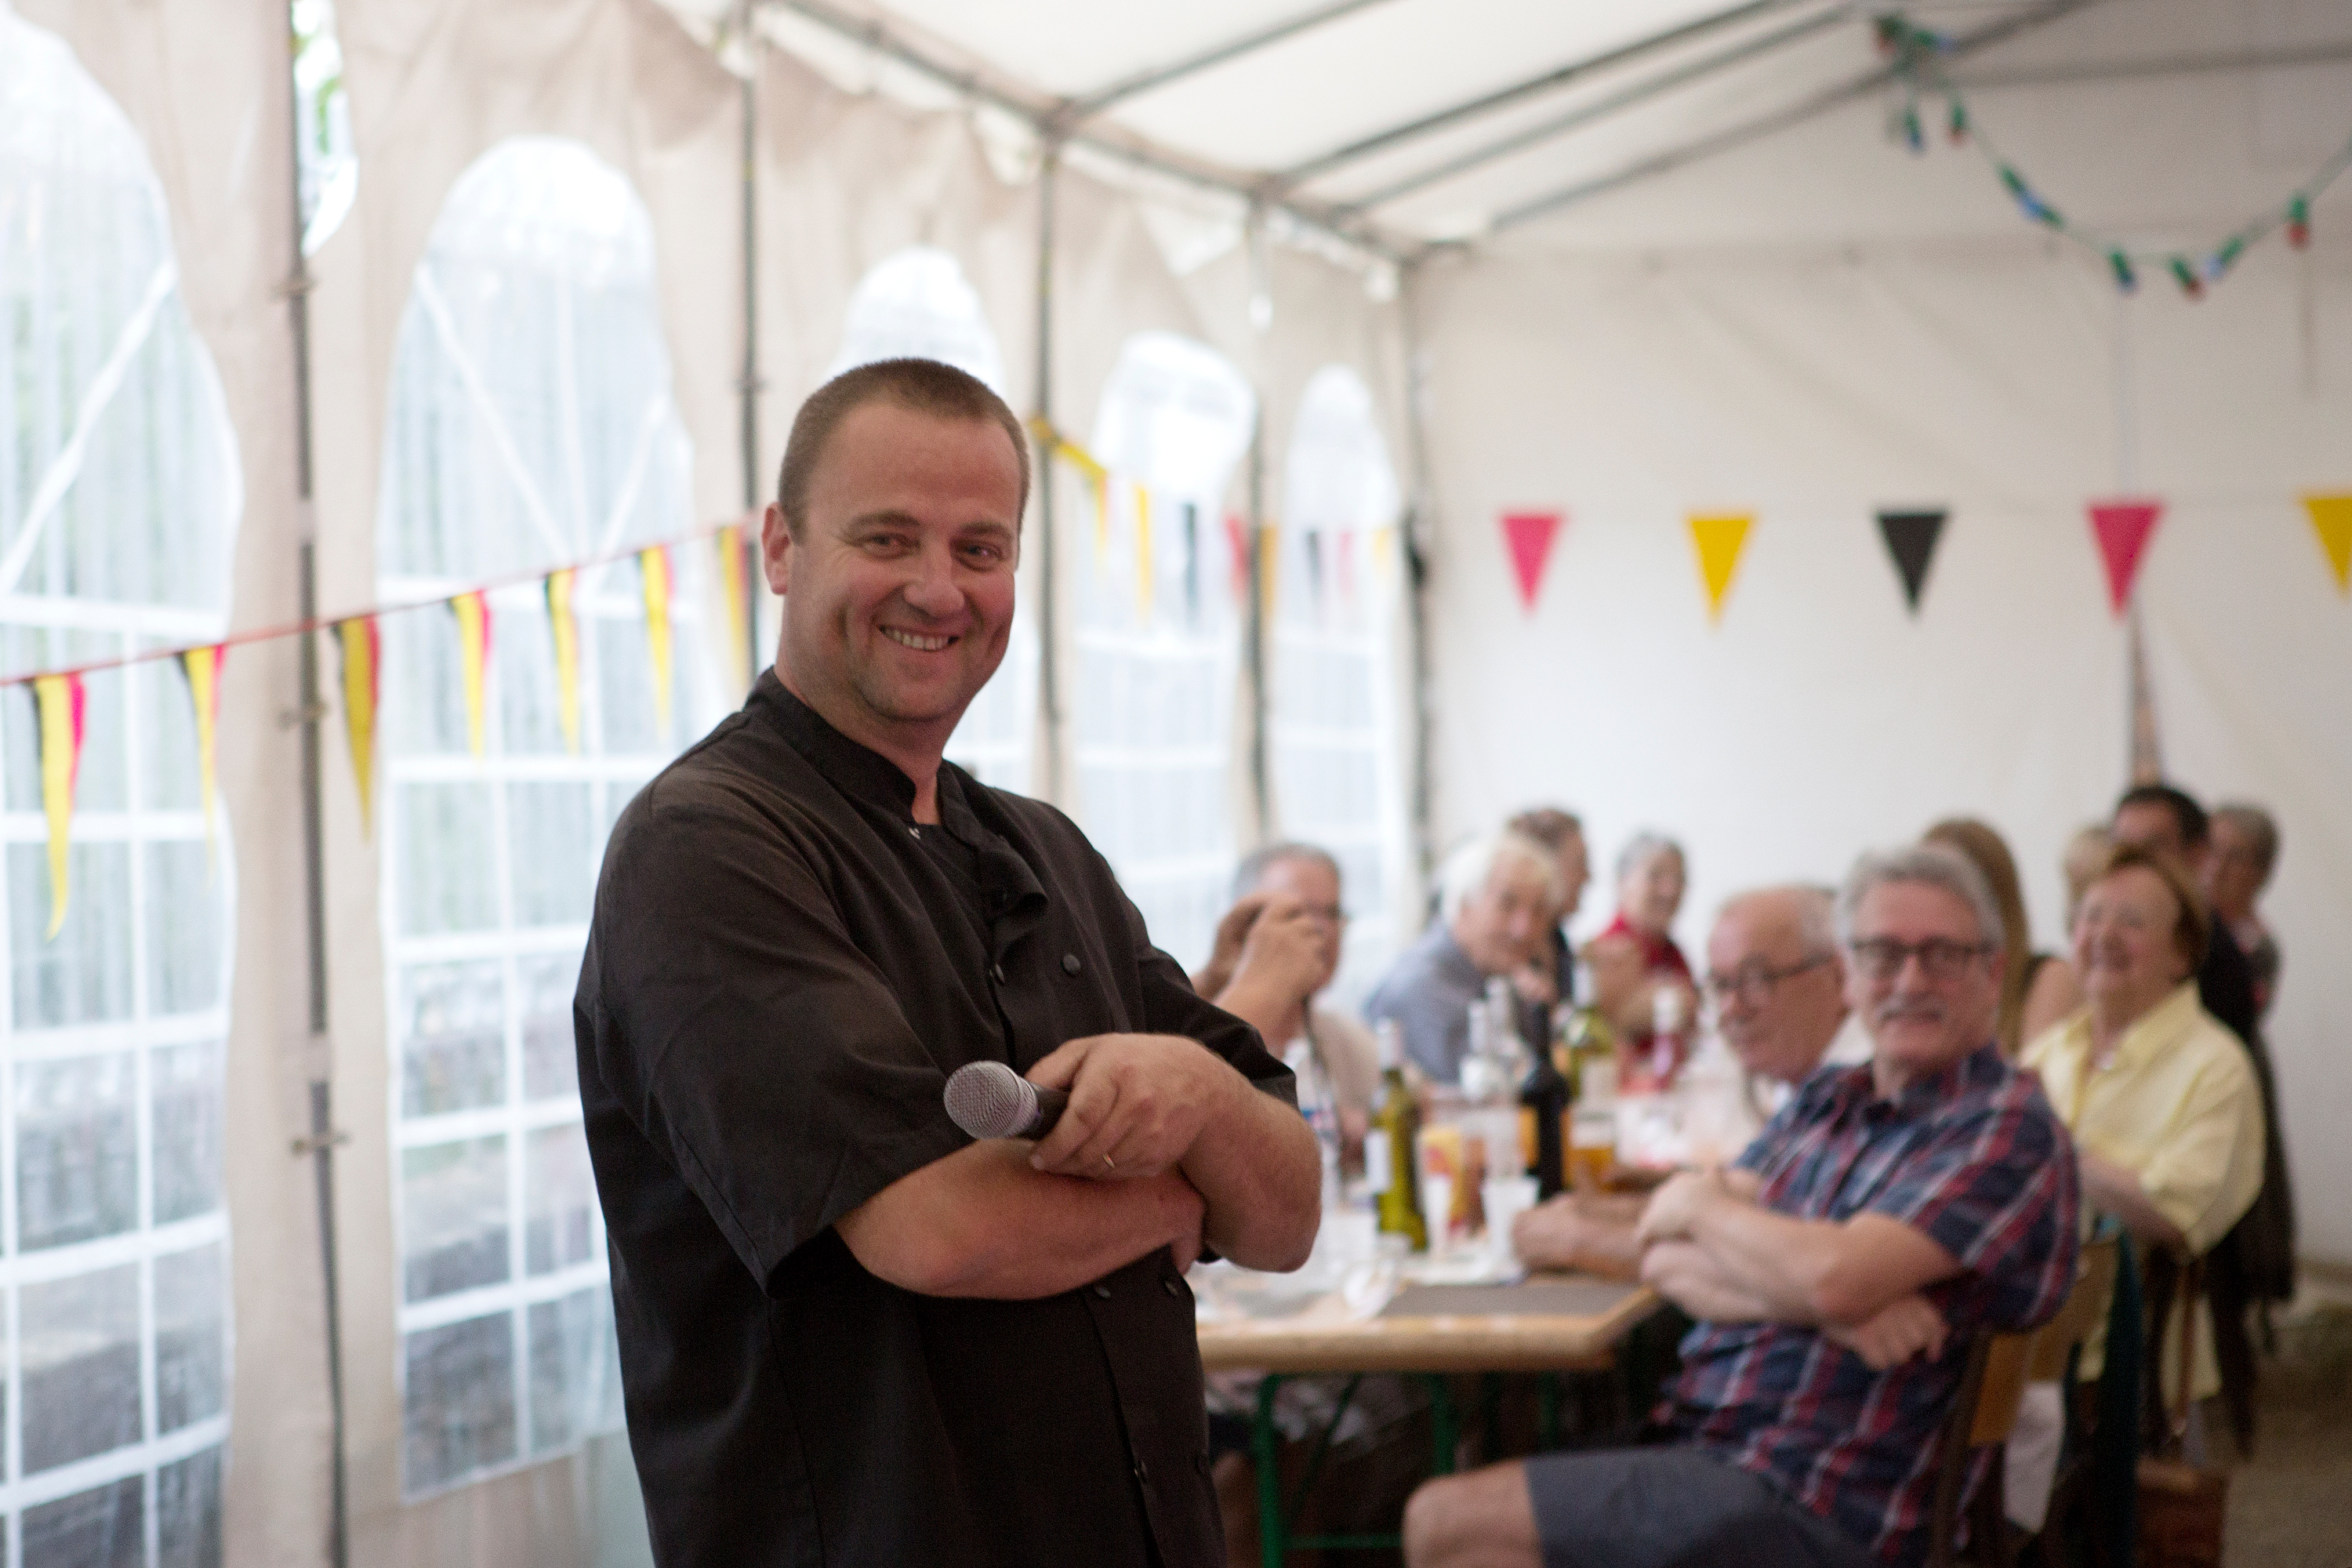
(1468, 1342)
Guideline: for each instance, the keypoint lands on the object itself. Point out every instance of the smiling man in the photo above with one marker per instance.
(1838, 1271)
(849, 1333)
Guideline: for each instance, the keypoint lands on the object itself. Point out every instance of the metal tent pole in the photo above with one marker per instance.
(1049, 641)
(751, 384)
(1419, 519)
(320, 1146)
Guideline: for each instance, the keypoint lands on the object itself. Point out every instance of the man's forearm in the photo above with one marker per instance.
(1261, 1175)
(1817, 1271)
(1686, 1275)
(982, 1222)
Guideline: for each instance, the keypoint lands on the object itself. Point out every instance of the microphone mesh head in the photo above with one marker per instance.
(988, 1099)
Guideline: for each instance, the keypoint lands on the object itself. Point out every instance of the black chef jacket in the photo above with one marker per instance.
(780, 976)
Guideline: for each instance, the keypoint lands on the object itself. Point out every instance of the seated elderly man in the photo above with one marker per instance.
(1500, 899)
(1888, 1214)
(1276, 950)
(1778, 992)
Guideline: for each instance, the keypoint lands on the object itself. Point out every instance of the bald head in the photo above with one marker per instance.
(1774, 976)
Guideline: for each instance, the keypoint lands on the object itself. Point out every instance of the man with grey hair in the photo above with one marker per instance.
(1778, 994)
(1276, 950)
(1839, 1270)
(1499, 898)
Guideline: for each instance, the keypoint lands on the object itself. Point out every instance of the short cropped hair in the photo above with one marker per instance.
(2193, 930)
(1815, 906)
(1641, 846)
(919, 385)
(1468, 869)
(2258, 826)
(1931, 865)
(1258, 861)
(2188, 816)
(1548, 826)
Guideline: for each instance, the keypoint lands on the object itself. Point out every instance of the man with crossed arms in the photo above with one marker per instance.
(1886, 1215)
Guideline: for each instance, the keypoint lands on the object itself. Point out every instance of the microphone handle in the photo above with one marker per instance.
(1051, 1103)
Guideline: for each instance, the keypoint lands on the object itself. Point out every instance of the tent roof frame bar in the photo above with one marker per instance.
(1038, 112)
(1590, 113)
(1085, 106)
(1765, 125)
(1557, 76)
(2170, 65)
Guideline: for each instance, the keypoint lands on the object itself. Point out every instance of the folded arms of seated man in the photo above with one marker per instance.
(1714, 1251)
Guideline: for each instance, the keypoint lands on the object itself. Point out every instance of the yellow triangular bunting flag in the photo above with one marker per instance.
(1719, 540)
(653, 571)
(473, 612)
(201, 667)
(563, 629)
(363, 654)
(1142, 556)
(735, 613)
(1269, 569)
(59, 700)
(2331, 519)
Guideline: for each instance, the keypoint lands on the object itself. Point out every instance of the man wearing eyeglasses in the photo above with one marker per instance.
(1889, 1213)
(1776, 990)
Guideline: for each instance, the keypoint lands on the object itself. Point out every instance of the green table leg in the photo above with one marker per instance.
(1547, 1394)
(1490, 1416)
(1445, 1425)
(1265, 1447)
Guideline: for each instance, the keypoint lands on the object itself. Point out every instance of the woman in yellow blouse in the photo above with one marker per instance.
(2160, 1097)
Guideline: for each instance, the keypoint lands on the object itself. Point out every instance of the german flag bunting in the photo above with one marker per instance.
(473, 612)
(653, 571)
(732, 613)
(563, 630)
(363, 659)
(58, 703)
(201, 668)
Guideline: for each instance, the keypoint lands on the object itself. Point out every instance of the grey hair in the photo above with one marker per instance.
(1258, 861)
(1641, 846)
(2257, 825)
(1930, 865)
(1468, 869)
(1815, 906)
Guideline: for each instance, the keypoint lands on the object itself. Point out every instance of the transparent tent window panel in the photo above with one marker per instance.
(531, 428)
(78, 1342)
(105, 1527)
(119, 490)
(77, 1150)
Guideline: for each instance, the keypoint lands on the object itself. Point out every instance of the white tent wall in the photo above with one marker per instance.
(1813, 386)
(434, 85)
(206, 89)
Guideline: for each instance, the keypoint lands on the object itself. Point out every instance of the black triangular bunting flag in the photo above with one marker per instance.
(1911, 539)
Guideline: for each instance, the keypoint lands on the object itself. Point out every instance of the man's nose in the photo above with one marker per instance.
(932, 588)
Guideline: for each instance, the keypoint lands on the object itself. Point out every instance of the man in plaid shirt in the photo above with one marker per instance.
(1838, 1269)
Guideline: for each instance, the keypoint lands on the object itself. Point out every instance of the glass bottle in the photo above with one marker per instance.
(1392, 1146)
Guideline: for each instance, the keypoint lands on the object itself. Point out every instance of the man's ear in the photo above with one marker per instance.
(776, 550)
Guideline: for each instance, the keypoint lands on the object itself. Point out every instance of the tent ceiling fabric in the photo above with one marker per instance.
(1272, 92)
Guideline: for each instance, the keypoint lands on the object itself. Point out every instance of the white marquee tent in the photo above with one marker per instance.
(1328, 293)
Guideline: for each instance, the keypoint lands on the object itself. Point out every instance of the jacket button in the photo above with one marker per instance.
(996, 972)
(1070, 964)
(1104, 1291)
(1171, 1286)
(1142, 1471)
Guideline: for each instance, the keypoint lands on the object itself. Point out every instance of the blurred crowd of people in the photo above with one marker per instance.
(2142, 1030)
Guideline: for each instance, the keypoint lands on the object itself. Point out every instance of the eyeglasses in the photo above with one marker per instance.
(1940, 958)
(1753, 982)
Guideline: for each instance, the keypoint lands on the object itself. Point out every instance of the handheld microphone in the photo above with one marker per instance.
(988, 1099)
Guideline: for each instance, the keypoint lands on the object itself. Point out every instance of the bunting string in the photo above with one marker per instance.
(1919, 54)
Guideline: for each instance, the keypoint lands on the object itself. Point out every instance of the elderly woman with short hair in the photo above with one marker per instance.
(2160, 1097)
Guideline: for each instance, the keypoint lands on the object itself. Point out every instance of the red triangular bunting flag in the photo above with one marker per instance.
(1237, 541)
(2123, 529)
(1529, 535)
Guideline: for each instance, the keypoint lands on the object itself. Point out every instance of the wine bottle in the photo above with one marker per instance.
(1392, 1146)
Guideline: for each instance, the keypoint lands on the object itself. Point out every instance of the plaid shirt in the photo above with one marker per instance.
(1975, 1160)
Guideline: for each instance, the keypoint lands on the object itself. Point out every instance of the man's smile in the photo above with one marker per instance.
(916, 640)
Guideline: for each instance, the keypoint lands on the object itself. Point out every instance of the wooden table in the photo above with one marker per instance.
(1550, 1323)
